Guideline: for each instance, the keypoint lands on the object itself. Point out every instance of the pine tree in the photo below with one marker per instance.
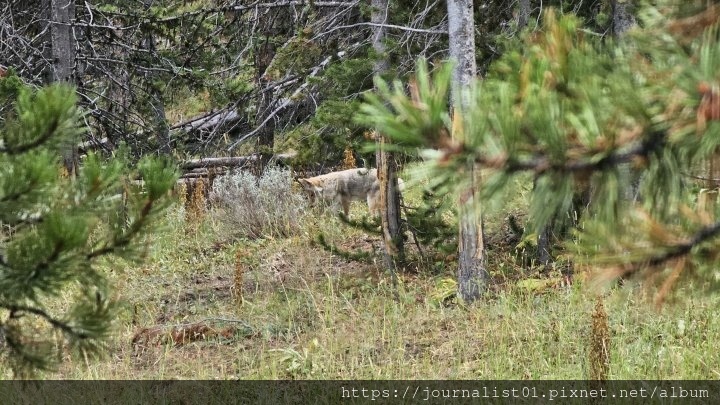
(55, 228)
(577, 113)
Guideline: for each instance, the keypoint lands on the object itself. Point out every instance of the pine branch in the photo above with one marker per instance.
(16, 196)
(671, 252)
(542, 164)
(43, 265)
(18, 149)
(124, 239)
(17, 310)
(683, 249)
(54, 256)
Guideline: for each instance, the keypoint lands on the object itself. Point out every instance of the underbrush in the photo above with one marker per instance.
(253, 207)
(283, 307)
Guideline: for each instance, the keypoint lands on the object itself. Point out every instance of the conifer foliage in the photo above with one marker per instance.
(56, 228)
(585, 116)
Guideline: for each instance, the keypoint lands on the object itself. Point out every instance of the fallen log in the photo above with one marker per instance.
(218, 161)
(198, 175)
(211, 121)
(234, 161)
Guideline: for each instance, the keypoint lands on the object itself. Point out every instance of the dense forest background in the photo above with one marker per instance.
(228, 77)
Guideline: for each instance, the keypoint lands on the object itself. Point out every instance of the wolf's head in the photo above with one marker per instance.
(311, 188)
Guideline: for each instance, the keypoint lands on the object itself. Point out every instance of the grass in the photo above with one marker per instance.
(293, 310)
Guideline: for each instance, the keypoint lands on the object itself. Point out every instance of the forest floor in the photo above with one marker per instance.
(207, 305)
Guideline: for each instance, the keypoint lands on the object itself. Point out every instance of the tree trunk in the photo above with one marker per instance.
(622, 18)
(621, 21)
(266, 135)
(61, 54)
(461, 30)
(389, 207)
(263, 57)
(61, 48)
(386, 166)
(160, 124)
(472, 276)
(523, 13)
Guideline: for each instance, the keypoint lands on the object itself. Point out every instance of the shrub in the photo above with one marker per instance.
(256, 207)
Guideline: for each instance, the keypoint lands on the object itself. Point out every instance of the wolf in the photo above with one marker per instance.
(345, 186)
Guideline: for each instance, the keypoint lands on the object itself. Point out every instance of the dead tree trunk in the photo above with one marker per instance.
(472, 276)
(264, 54)
(61, 54)
(160, 125)
(386, 165)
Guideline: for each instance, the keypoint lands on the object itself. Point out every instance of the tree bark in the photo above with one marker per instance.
(622, 18)
(461, 31)
(523, 13)
(394, 251)
(160, 124)
(61, 48)
(61, 54)
(264, 54)
(472, 276)
(386, 165)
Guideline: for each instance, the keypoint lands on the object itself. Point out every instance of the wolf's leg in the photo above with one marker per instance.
(345, 201)
(372, 202)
